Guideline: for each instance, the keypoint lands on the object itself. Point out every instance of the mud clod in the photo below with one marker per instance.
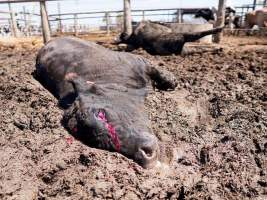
(204, 156)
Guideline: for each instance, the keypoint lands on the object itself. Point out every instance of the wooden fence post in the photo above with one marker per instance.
(45, 23)
(76, 25)
(59, 18)
(254, 4)
(127, 17)
(107, 23)
(13, 21)
(179, 16)
(26, 29)
(220, 20)
(29, 23)
(24, 16)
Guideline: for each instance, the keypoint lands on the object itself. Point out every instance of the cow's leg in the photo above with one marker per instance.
(161, 79)
(200, 50)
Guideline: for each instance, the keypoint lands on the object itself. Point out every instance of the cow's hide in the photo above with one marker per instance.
(102, 93)
(257, 17)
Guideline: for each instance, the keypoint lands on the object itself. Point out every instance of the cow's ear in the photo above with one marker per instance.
(79, 85)
(93, 88)
(82, 86)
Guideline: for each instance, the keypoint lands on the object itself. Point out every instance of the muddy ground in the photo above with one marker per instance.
(216, 121)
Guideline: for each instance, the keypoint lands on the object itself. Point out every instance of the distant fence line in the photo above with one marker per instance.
(110, 20)
(107, 18)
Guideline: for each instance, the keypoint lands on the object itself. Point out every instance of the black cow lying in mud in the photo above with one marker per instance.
(102, 93)
(158, 39)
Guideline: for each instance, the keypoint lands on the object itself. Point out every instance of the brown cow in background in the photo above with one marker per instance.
(257, 17)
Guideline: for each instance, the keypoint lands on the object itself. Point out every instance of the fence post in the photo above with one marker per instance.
(29, 23)
(76, 24)
(25, 21)
(45, 23)
(107, 23)
(13, 24)
(24, 16)
(127, 17)
(143, 15)
(178, 15)
(220, 20)
(59, 18)
(254, 4)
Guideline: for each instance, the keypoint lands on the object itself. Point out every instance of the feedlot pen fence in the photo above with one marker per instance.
(89, 22)
(109, 21)
(26, 23)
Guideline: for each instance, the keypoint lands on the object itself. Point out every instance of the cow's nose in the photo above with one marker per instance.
(147, 152)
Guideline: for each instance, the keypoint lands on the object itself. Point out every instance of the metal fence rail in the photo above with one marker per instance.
(113, 19)
(108, 20)
(78, 22)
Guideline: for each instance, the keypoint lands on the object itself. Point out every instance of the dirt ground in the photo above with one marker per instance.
(215, 121)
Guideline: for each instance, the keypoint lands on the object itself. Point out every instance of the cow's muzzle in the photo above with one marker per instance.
(147, 151)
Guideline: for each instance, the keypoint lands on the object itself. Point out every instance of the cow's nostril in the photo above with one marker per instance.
(147, 155)
(148, 151)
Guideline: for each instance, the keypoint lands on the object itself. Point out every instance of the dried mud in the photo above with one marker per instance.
(215, 121)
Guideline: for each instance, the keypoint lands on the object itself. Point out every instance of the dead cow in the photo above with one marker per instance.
(158, 39)
(102, 93)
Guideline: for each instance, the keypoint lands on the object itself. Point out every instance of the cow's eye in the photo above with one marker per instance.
(101, 115)
(83, 116)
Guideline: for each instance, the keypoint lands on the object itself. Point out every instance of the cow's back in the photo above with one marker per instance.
(257, 17)
(261, 17)
(89, 60)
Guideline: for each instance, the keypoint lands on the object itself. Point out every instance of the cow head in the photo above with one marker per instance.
(107, 117)
(207, 14)
(229, 10)
(123, 37)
